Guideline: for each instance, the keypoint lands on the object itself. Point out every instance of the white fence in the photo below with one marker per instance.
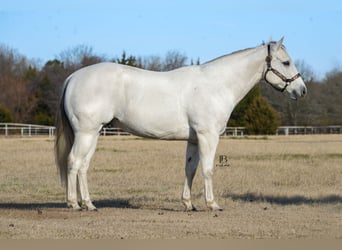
(308, 130)
(113, 131)
(23, 130)
(29, 130)
(230, 131)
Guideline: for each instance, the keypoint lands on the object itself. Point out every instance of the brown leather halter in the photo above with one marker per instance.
(276, 72)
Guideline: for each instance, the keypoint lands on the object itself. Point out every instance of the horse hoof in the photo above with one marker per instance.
(88, 205)
(194, 209)
(93, 209)
(188, 205)
(74, 206)
(191, 209)
(214, 207)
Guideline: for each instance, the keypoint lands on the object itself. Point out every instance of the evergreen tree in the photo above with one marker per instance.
(254, 113)
(261, 118)
(130, 61)
(238, 114)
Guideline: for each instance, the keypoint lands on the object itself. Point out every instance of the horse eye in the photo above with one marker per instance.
(286, 63)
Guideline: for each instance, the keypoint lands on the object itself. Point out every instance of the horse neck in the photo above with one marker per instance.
(240, 71)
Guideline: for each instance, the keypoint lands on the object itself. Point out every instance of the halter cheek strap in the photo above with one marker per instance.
(276, 72)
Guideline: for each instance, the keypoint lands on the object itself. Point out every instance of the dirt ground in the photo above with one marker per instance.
(270, 187)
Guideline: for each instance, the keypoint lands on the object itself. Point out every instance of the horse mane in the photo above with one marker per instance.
(242, 50)
(230, 54)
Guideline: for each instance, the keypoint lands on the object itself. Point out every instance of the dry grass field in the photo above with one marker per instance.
(275, 187)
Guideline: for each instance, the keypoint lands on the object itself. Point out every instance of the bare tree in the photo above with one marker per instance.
(174, 60)
(153, 63)
(14, 86)
(305, 70)
(79, 56)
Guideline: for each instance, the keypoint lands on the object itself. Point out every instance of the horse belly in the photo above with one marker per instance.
(154, 126)
(162, 119)
(175, 133)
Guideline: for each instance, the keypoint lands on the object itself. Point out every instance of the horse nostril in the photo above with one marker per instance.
(304, 92)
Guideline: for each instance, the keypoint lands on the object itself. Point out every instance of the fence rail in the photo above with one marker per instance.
(308, 130)
(230, 131)
(23, 130)
(29, 130)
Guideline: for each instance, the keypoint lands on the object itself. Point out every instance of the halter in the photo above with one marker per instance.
(276, 72)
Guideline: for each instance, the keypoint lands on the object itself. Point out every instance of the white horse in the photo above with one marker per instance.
(191, 103)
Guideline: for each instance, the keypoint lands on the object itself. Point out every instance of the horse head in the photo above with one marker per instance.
(280, 71)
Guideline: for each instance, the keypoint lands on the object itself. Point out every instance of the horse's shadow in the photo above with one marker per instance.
(126, 203)
(285, 200)
(104, 203)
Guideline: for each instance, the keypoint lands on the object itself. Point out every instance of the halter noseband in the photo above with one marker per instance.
(276, 72)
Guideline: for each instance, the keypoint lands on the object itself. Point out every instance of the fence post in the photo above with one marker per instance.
(51, 131)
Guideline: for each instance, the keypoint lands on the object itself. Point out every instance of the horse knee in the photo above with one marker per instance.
(74, 165)
(82, 171)
(207, 173)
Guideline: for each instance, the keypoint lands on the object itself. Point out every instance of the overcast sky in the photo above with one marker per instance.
(205, 29)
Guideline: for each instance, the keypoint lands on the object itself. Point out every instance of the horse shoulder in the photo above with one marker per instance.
(208, 107)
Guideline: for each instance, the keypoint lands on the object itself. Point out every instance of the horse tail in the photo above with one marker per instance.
(64, 138)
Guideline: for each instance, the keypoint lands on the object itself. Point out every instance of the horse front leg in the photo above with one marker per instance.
(191, 163)
(207, 147)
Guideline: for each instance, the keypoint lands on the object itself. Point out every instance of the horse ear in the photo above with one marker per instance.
(279, 43)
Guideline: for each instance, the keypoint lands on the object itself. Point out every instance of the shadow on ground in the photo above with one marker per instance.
(285, 200)
(106, 203)
(115, 203)
(125, 203)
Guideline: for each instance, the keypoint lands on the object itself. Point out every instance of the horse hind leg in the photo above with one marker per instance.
(79, 158)
(191, 163)
(82, 177)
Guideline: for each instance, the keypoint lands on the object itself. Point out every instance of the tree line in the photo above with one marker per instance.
(30, 93)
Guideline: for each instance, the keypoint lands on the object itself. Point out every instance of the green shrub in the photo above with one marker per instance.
(5, 114)
(43, 119)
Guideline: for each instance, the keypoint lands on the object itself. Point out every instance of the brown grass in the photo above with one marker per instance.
(275, 187)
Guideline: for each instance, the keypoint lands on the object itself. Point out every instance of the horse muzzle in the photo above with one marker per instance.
(298, 92)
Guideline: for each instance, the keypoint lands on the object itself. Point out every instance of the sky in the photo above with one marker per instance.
(204, 29)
